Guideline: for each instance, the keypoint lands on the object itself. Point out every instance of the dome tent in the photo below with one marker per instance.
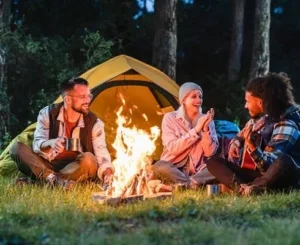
(146, 90)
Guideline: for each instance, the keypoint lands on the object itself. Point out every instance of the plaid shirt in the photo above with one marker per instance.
(284, 139)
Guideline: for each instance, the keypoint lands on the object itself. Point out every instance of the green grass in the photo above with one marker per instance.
(40, 215)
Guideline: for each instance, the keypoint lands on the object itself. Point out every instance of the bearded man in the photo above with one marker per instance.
(265, 155)
(49, 160)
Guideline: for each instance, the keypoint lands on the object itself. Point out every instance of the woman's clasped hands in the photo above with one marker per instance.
(204, 121)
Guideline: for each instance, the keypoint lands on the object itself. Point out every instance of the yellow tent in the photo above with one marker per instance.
(148, 93)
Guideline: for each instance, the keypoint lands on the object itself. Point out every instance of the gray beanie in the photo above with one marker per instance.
(186, 88)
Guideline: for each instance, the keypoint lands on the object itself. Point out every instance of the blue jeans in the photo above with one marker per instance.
(169, 173)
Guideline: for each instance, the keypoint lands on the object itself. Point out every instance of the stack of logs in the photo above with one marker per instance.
(139, 187)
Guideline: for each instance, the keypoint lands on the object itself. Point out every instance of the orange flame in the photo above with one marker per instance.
(133, 147)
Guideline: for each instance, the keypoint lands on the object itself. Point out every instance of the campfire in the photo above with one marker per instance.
(133, 178)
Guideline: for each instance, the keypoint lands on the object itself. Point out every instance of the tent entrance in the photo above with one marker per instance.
(143, 100)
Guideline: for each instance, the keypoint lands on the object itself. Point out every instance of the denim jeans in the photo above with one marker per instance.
(29, 163)
(169, 173)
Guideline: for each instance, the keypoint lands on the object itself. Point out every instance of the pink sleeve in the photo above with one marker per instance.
(210, 141)
(176, 144)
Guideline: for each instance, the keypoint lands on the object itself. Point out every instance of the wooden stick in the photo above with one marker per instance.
(127, 186)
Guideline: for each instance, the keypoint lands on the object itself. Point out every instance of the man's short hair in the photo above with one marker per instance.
(69, 84)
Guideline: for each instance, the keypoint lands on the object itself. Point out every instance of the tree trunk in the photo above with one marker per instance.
(5, 6)
(261, 51)
(165, 37)
(4, 106)
(237, 38)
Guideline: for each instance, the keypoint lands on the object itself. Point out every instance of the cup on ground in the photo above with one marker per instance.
(213, 190)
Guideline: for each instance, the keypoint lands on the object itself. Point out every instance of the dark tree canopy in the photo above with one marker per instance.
(51, 40)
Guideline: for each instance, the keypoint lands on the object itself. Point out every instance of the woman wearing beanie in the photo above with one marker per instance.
(188, 137)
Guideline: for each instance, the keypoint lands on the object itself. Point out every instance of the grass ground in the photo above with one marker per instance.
(40, 215)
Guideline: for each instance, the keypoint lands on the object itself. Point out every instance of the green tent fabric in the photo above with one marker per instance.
(8, 167)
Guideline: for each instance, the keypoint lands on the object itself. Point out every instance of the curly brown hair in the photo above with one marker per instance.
(275, 90)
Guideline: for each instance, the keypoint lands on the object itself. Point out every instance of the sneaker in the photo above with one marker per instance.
(179, 187)
(51, 179)
(66, 184)
(54, 180)
(248, 190)
(193, 184)
(23, 181)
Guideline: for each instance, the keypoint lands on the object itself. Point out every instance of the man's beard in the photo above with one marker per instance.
(81, 110)
(256, 116)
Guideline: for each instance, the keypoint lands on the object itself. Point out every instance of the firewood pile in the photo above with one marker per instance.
(139, 187)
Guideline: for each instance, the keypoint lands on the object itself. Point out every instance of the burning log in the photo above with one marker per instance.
(133, 150)
(131, 189)
(101, 198)
(138, 188)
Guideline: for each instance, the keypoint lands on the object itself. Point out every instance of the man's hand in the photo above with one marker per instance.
(56, 145)
(234, 151)
(107, 177)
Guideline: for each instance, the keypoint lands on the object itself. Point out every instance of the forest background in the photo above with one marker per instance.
(219, 44)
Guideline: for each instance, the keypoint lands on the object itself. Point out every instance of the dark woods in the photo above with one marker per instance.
(46, 41)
